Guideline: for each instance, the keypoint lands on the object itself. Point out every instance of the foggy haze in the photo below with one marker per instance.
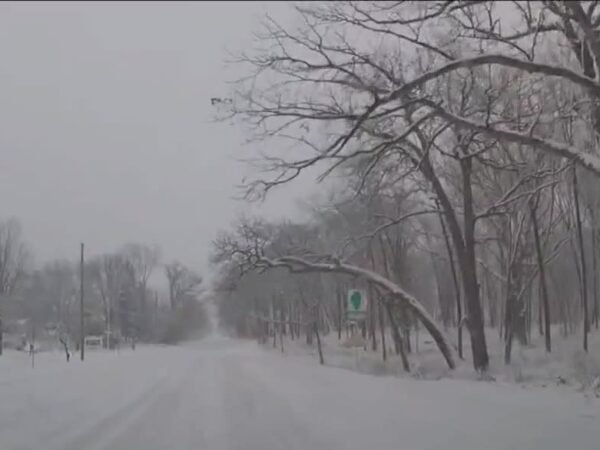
(105, 125)
(438, 289)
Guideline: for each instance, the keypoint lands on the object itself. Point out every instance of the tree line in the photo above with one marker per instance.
(118, 299)
(461, 140)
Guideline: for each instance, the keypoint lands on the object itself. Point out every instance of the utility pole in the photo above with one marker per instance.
(108, 325)
(32, 344)
(81, 323)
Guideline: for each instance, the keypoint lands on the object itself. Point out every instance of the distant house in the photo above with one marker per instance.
(93, 342)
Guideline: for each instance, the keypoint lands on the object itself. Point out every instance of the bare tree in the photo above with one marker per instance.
(479, 118)
(142, 260)
(182, 283)
(583, 267)
(109, 275)
(13, 259)
(246, 248)
(58, 284)
(545, 304)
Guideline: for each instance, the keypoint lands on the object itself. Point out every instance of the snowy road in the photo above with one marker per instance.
(221, 394)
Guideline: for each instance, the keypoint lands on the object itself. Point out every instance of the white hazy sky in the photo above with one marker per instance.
(104, 125)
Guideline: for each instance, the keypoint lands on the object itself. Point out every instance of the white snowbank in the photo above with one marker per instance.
(568, 365)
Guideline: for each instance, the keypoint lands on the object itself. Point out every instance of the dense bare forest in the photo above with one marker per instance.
(461, 142)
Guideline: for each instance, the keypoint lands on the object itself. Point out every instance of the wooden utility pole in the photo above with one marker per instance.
(32, 344)
(81, 318)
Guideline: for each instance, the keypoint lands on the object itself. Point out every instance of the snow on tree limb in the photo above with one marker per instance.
(502, 60)
(590, 162)
(299, 265)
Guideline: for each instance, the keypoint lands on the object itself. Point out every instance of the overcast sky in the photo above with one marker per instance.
(105, 133)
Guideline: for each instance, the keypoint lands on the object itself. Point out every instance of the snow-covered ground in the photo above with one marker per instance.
(568, 366)
(223, 394)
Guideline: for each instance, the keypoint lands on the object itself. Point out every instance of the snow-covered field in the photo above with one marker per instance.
(223, 394)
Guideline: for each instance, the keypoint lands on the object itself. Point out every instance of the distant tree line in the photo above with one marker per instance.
(43, 301)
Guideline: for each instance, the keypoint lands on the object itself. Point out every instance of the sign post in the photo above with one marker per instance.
(356, 311)
(81, 317)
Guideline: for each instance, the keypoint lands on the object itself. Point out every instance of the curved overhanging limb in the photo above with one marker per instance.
(395, 292)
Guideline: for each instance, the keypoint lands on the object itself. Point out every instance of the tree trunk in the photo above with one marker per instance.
(456, 287)
(465, 254)
(316, 330)
(371, 304)
(508, 310)
(405, 326)
(281, 328)
(503, 288)
(464, 246)
(283, 324)
(339, 312)
(273, 326)
(372, 323)
(515, 321)
(469, 270)
(416, 338)
(143, 321)
(594, 266)
(491, 293)
(582, 257)
(290, 314)
(520, 321)
(398, 344)
(540, 310)
(309, 320)
(442, 304)
(528, 305)
(398, 341)
(577, 265)
(542, 272)
(382, 329)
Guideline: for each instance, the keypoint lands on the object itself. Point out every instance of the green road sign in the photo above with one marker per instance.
(357, 301)
(356, 305)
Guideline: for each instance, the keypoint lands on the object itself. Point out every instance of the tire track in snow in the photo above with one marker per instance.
(104, 431)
